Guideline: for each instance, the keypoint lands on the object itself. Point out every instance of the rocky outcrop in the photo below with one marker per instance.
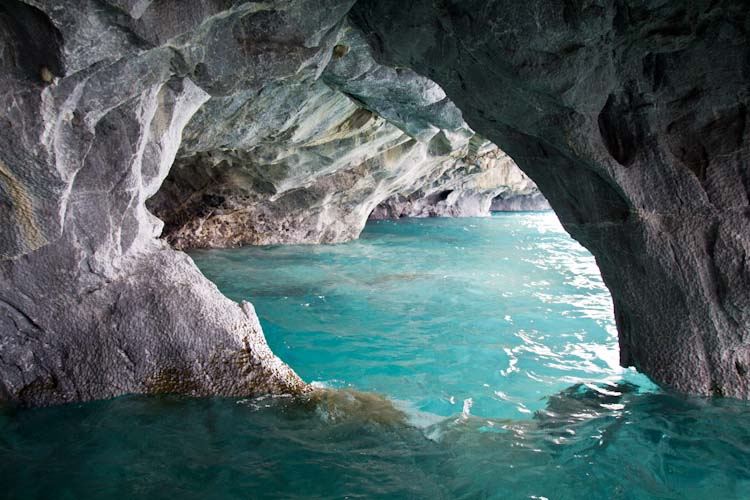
(306, 159)
(486, 176)
(95, 96)
(516, 203)
(631, 117)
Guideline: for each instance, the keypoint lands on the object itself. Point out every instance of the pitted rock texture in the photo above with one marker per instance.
(631, 117)
(307, 159)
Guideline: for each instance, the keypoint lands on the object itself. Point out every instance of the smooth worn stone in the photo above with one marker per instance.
(515, 203)
(486, 176)
(308, 159)
(92, 304)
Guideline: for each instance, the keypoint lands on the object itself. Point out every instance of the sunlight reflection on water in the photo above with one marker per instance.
(493, 342)
(432, 312)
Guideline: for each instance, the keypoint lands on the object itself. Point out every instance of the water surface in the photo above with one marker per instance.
(490, 352)
(499, 312)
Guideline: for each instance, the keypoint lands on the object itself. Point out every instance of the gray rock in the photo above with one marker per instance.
(307, 159)
(518, 203)
(92, 304)
(631, 117)
(282, 126)
(485, 177)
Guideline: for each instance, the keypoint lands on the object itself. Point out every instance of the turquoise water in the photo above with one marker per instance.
(492, 344)
(496, 312)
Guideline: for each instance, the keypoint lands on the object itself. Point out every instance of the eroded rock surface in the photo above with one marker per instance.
(631, 116)
(306, 159)
(281, 128)
(95, 96)
(486, 176)
(513, 203)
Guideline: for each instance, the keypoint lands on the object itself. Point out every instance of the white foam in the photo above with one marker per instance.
(468, 403)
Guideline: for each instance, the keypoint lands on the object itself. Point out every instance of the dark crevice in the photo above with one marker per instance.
(443, 195)
(623, 327)
(655, 68)
(30, 43)
(712, 241)
(619, 129)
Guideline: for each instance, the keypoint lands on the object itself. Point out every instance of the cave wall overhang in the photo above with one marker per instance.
(307, 159)
(629, 116)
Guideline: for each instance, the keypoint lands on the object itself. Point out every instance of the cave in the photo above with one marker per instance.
(133, 130)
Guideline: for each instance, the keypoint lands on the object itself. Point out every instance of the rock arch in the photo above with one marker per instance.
(630, 116)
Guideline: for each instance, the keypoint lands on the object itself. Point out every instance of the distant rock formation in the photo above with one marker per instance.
(469, 190)
(517, 203)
